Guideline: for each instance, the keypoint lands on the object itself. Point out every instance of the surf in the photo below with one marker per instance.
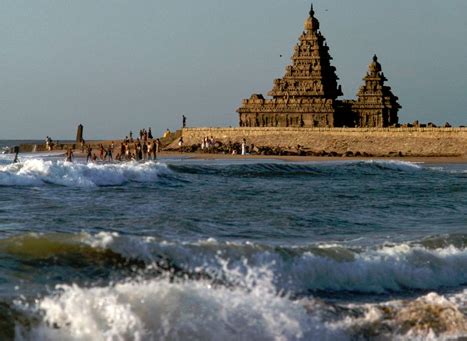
(40, 172)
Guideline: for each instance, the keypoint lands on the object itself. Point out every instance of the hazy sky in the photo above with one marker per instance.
(118, 65)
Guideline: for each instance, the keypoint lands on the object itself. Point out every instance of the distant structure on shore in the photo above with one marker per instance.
(307, 95)
(79, 134)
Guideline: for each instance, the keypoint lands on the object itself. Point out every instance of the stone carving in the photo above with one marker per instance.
(307, 94)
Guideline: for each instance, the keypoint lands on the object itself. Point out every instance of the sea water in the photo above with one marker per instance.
(232, 250)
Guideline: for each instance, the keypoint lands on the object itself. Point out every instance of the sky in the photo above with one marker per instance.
(116, 66)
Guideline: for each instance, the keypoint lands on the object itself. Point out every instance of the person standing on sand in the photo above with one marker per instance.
(150, 133)
(180, 144)
(244, 147)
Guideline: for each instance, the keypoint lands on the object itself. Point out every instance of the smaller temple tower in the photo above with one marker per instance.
(376, 106)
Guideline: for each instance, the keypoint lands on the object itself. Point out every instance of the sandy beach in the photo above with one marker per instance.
(206, 156)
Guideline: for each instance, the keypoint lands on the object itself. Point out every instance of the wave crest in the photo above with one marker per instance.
(187, 309)
(299, 271)
(334, 268)
(279, 169)
(37, 172)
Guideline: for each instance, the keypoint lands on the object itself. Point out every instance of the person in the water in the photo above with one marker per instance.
(108, 153)
(69, 155)
(155, 149)
(89, 154)
(145, 151)
(16, 151)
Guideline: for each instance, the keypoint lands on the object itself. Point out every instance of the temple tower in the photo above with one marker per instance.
(376, 105)
(306, 95)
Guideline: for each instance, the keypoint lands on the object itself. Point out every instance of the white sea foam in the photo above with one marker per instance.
(429, 317)
(36, 172)
(160, 309)
(456, 169)
(375, 270)
(395, 164)
(252, 301)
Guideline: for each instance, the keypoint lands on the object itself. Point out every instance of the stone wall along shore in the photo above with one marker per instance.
(372, 141)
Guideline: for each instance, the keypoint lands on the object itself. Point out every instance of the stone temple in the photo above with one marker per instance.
(307, 96)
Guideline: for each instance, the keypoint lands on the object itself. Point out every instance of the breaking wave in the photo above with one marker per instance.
(37, 172)
(231, 291)
(33, 171)
(279, 169)
(298, 270)
(382, 269)
(160, 309)
(167, 310)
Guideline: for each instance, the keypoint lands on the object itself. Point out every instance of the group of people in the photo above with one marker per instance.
(104, 153)
(144, 148)
(208, 143)
(139, 150)
(144, 135)
(129, 151)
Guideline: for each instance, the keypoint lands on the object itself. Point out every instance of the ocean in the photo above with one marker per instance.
(232, 250)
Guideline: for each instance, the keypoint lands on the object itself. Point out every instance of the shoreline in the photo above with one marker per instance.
(289, 158)
(297, 159)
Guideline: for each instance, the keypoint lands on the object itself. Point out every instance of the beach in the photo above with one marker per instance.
(215, 156)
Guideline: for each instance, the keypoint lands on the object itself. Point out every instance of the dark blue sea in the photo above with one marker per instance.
(183, 249)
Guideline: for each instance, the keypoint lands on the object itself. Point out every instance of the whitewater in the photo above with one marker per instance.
(180, 249)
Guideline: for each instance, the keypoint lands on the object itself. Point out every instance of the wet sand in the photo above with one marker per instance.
(206, 156)
(200, 156)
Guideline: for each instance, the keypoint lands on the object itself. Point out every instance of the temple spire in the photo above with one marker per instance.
(312, 11)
